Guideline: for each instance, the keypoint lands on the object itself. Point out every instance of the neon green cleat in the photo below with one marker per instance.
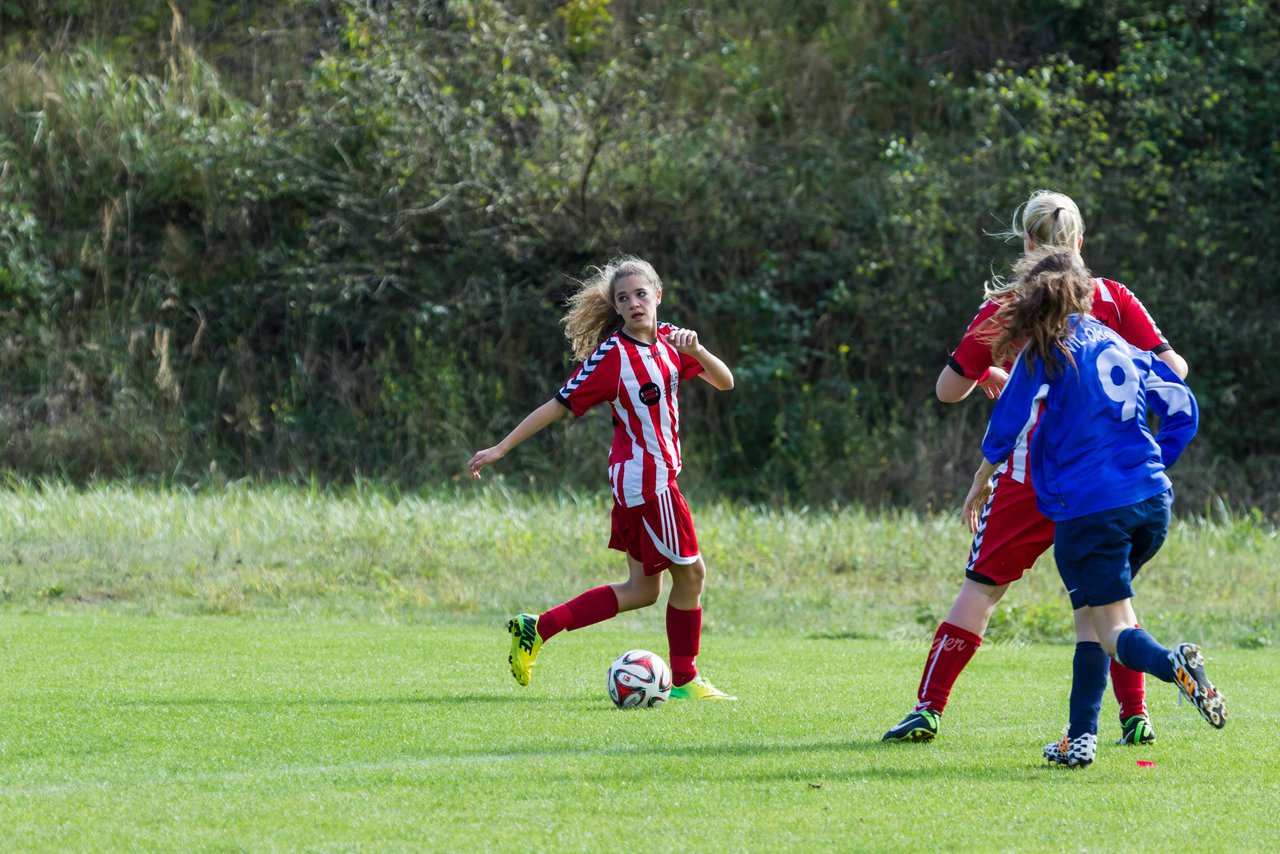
(1136, 730)
(525, 644)
(699, 689)
(917, 726)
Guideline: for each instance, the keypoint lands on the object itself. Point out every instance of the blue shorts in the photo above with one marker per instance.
(1098, 555)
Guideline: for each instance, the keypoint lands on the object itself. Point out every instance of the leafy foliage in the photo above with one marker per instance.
(356, 265)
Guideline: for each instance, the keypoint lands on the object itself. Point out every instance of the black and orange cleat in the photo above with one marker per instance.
(1189, 675)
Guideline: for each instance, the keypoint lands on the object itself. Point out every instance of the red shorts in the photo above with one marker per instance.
(1012, 533)
(658, 533)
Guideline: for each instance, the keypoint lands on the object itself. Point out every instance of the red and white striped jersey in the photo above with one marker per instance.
(641, 384)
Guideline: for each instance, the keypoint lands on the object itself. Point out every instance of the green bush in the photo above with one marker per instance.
(344, 253)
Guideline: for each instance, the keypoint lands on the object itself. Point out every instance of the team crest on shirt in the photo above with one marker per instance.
(650, 394)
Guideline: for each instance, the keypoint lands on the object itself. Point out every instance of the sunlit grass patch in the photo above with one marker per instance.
(478, 555)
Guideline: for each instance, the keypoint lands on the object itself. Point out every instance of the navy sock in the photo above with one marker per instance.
(1088, 684)
(1137, 650)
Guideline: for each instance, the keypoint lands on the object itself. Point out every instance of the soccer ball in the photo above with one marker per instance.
(638, 678)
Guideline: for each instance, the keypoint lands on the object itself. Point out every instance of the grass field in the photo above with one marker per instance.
(477, 556)
(278, 668)
(195, 733)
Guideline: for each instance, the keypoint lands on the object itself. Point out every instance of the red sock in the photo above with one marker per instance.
(952, 648)
(594, 606)
(684, 633)
(1130, 687)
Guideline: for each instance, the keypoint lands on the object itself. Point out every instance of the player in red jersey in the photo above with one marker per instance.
(1012, 532)
(635, 365)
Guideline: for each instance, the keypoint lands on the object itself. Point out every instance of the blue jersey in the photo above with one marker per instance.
(1090, 448)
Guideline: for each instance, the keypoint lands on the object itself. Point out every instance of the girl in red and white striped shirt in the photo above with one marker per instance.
(635, 365)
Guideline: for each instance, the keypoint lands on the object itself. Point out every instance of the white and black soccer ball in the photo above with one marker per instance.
(639, 679)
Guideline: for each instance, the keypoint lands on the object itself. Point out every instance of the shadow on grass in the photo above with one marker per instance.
(355, 702)
(879, 767)
(653, 752)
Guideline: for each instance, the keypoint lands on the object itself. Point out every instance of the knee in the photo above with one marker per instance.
(647, 596)
(697, 572)
(974, 605)
(638, 594)
(690, 578)
(993, 592)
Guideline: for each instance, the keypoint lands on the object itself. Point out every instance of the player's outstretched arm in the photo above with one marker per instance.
(547, 413)
(714, 370)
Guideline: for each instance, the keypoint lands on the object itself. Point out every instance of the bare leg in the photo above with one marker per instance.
(686, 585)
(1084, 627)
(1110, 620)
(974, 605)
(639, 590)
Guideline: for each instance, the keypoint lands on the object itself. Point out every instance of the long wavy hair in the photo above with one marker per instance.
(592, 316)
(1049, 286)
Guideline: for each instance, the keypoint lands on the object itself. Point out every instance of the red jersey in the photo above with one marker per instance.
(1114, 305)
(641, 384)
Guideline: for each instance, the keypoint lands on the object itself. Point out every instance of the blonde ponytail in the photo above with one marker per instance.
(1052, 221)
(592, 317)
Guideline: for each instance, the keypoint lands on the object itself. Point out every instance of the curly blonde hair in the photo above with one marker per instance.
(592, 317)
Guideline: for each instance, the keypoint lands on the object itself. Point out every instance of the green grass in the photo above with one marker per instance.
(282, 668)
(127, 731)
(479, 554)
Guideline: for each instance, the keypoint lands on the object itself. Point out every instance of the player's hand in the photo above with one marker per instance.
(971, 513)
(994, 383)
(684, 340)
(482, 459)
